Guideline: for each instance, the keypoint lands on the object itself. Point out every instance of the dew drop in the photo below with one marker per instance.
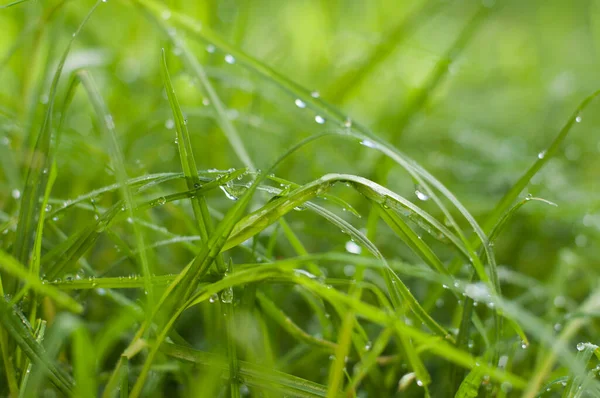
(557, 327)
(16, 194)
(578, 119)
(299, 103)
(541, 155)
(368, 346)
(315, 94)
(213, 298)
(348, 123)
(169, 124)
(419, 383)
(230, 59)
(210, 48)
(349, 270)
(161, 201)
(352, 247)
(227, 295)
(166, 14)
(228, 193)
(368, 144)
(319, 119)
(580, 346)
(421, 195)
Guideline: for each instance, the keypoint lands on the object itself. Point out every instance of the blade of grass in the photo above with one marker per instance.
(251, 374)
(12, 266)
(17, 327)
(108, 128)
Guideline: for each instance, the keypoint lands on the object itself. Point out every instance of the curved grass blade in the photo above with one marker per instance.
(12, 266)
(18, 328)
(285, 322)
(546, 155)
(14, 3)
(251, 374)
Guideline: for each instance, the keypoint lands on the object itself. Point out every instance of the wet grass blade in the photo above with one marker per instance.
(18, 329)
(285, 322)
(12, 266)
(108, 127)
(188, 164)
(251, 374)
(543, 158)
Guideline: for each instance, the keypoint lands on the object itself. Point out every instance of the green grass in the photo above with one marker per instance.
(299, 199)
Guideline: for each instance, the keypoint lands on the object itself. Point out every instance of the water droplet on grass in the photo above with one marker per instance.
(228, 192)
(169, 124)
(300, 104)
(16, 194)
(352, 247)
(560, 301)
(541, 155)
(161, 201)
(166, 14)
(557, 327)
(578, 119)
(210, 48)
(368, 143)
(315, 94)
(213, 298)
(580, 346)
(319, 119)
(230, 59)
(421, 195)
(227, 295)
